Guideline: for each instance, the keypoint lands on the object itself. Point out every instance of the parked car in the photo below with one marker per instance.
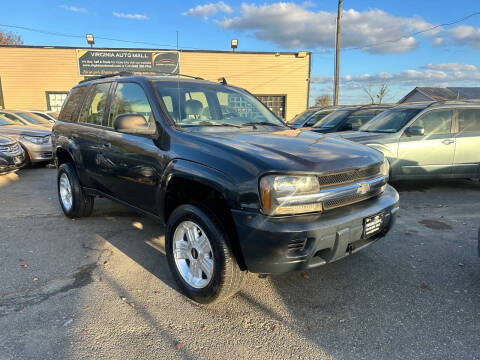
(310, 117)
(35, 140)
(47, 115)
(12, 156)
(25, 118)
(348, 118)
(237, 191)
(427, 140)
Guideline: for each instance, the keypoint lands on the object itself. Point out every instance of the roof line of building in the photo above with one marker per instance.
(153, 49)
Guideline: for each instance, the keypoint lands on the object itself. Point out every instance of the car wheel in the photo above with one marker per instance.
(199, 256)
(72, 199)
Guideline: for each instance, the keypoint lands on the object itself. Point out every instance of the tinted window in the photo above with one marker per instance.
(299, 119)
(317, 117)
(14, 119)
(5, 121)
(72, 103)
(333, 119)
(390, 121)
(359, 118)
(435, 122)
(129, 98)
(93, 109)
(468, 120)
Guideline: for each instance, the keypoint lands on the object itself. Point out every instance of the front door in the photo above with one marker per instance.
(131, 165)
(430, 154)
(467, 149)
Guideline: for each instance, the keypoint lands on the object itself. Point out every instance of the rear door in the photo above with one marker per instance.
(467, 148)
(432, 153)
(130, 165)
(88, 133)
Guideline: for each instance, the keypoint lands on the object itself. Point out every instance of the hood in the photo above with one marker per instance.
(15, 130)
(4, 140)
(360, 136)
(288, 150)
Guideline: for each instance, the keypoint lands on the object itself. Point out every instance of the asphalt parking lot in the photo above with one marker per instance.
(100, 287)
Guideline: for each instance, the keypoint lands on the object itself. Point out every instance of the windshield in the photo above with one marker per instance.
(4, 121)
(300, 118)
(197, 105)
(32, 119)
(390, 121)
(333, 119)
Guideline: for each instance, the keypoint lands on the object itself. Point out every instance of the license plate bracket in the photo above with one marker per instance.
(373, 224)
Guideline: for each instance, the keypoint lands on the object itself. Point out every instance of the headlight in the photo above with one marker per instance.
(287, 194)
(385, 169)
(37, 139)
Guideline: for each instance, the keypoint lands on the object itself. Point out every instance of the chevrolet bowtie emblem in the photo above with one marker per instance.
(363, 188)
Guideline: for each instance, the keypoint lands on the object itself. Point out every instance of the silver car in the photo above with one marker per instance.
(35, 140)
(426, 140)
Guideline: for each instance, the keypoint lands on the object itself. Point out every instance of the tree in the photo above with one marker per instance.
(379, 96)
(9, 38)
(323, 100)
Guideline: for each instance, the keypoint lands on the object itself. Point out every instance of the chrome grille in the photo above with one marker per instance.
(352, 199)
(349, 176)
(9, 148)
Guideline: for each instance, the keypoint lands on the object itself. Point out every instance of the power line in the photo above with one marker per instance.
(453, 22)
(45, 32)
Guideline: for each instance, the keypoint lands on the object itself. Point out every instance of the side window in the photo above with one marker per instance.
(469, 120)
(129, 98)
(316, 118)
(435, 122)
(360, 117)
(72, 103)
(93, 109)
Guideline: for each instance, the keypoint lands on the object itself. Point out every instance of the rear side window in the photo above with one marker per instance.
(360, 117)
(129, 98)
(93, 110)
(72, 103)
(317, 117)
(469, 120)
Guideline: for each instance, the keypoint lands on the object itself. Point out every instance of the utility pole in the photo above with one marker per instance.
(337, 53)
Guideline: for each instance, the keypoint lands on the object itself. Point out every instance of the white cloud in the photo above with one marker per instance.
(292, 26)
(466, 35)
(73, 8)
(208, 10)
(130, 16)
(440, 74)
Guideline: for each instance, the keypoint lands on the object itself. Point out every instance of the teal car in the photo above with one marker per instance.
(426, 140)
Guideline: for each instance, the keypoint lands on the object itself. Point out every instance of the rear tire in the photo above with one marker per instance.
(74, 202)
(225, 278)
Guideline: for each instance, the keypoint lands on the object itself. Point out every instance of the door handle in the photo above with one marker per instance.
(447, 141)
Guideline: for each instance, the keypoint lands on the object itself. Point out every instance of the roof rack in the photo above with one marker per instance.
(184, 75)
(121, 73)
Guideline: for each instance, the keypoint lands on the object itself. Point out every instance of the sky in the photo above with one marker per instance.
(399, 43)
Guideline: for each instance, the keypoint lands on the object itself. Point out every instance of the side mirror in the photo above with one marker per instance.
(133, 124)
(415, 131)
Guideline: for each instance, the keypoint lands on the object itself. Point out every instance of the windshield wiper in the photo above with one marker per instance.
(253, 123)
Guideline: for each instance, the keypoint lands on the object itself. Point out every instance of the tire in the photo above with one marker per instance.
(74, 202)
(226, 277)
(28, 161)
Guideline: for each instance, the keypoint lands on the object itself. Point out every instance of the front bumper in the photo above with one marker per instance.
(283, 244)
(10, 162)
(39, 153)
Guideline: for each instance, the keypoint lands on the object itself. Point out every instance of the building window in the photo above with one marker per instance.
(276, 103)
(55, 100)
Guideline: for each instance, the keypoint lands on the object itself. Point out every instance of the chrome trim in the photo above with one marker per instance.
(336, 193)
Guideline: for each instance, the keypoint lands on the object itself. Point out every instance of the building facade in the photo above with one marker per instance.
(39, 78)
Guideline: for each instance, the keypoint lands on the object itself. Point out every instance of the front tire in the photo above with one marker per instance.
(199, 257)
(74, 202)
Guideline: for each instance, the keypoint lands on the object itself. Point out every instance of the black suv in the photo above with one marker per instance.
(237, 188)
